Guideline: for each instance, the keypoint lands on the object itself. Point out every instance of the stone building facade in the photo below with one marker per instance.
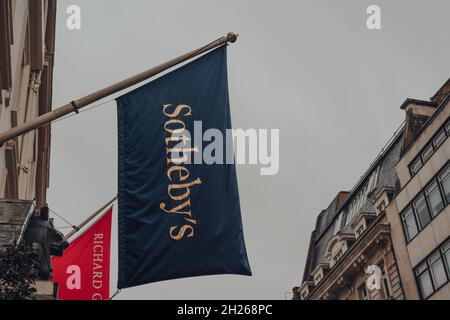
(27, 42)
(419, 214)
(371, 226)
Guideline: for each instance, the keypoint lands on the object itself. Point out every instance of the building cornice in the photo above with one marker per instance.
(417, 102)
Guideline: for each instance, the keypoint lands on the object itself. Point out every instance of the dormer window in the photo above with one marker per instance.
(303, 295)
(305, 289)
(359, 231)
(337, 247)
(382, 199)
(318, 278)
(338, 256)
(362, 222)
(319, 272)
(381, 207)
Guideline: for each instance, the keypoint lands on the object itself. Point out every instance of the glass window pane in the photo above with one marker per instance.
(444, 178)
(426, 154)
(446, 246)
(420, 206)
(386, 288)
(446, 254)
(425, 284)
(437, 269)
(364, 295)
(421, 268)
(439, 139)
(416, 165)
(409, 224)
(434, 198)
(382, 268)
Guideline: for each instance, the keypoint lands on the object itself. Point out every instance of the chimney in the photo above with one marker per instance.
(341, 197)
(417, 113)
(442, 93)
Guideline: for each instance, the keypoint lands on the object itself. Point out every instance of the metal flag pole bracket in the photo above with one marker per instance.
(75, 107)
(115, 294)
(78, 104)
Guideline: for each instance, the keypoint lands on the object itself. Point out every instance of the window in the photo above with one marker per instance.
(421, 209)
(444, 179)
(317, 278)
(424, 279)
(363, 293)
(439, 139)
(337, 256)
(304, 295)
(359, 231)
(429, 149)
(427, 204)
(416, 165)
(434, 198)
(437, 269)
(409, 224)
(426, 154)
(385, 283)
(433, 273)
(381, 208)
(446, 254)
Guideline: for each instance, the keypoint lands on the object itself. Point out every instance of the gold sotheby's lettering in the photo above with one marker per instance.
(179, 188)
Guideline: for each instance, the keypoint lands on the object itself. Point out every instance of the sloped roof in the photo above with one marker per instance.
(325, 231)
(14, 217)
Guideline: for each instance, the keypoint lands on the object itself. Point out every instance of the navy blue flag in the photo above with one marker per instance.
(177, 219)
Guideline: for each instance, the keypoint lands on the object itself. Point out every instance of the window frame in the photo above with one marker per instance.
(445, 170)
(443, 253)
(439, 251)
(318, 278)
(387, 286)
(437, 178)
(360, 230)
(338, 256)
(402, 216)
(445, 129)
(434, 182)
(427, 147)
(423, 201)
(440, 132)
(411, 166)
(418, 276)
(362, 290)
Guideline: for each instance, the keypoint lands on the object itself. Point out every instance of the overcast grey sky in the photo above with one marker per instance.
(309, 68)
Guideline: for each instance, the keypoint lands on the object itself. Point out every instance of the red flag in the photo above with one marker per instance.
(82, 273)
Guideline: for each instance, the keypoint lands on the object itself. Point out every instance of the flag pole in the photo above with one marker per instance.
(80, 103)
(89, 219)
